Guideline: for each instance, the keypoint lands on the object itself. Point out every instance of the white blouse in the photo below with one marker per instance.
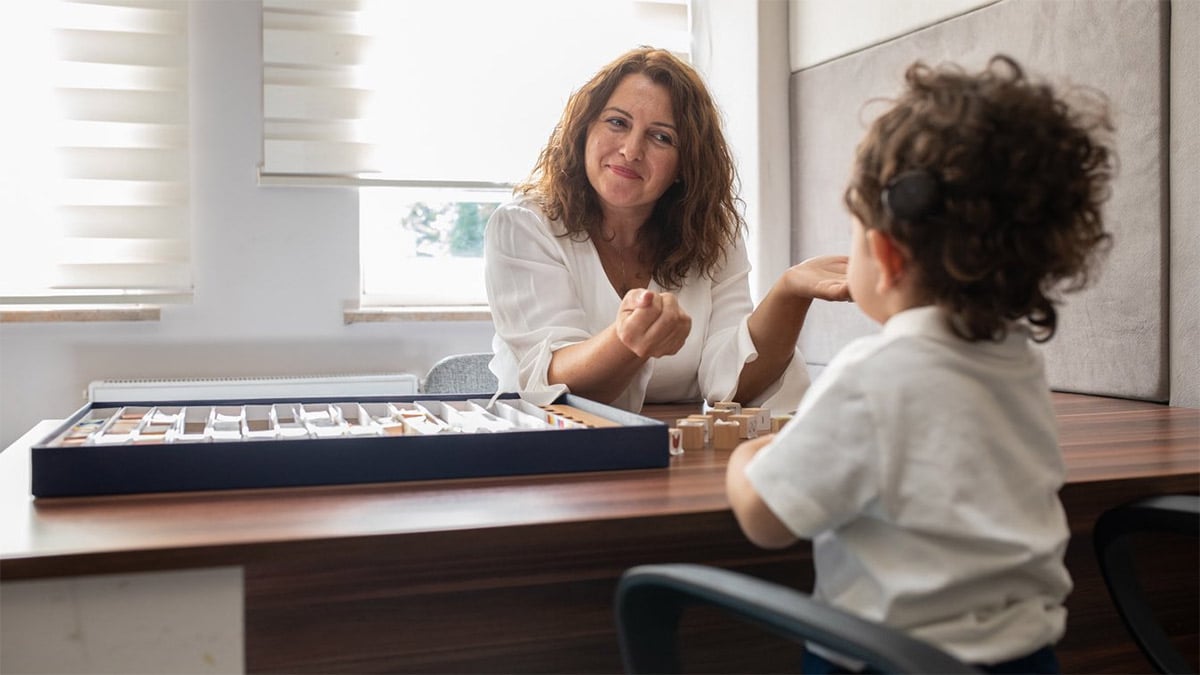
(548, 291)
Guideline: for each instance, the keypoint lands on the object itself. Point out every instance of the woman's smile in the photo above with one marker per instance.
(624, 172)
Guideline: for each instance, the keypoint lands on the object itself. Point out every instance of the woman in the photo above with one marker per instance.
(620, 270)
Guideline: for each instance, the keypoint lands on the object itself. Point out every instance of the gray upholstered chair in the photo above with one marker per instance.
(460, 374)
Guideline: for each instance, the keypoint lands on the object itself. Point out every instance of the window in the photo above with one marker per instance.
(434, 110)
(94, 206)
(423, 247)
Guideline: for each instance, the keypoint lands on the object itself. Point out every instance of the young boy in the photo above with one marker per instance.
(924, 463)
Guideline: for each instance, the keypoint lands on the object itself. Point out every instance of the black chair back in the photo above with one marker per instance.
(651, 600)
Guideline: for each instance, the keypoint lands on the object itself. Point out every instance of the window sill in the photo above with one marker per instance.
(358, 314)
(78, 313)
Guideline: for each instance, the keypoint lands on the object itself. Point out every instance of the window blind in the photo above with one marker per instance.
(454, 93)
(95, 169)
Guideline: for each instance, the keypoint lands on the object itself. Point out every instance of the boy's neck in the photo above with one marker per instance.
(904, 295)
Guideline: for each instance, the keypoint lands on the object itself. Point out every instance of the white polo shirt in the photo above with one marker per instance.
(926, 470)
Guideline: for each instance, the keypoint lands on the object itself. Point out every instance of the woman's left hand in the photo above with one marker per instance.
(819, 278)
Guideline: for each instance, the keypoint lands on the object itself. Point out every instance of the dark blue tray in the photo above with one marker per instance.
(638, 443)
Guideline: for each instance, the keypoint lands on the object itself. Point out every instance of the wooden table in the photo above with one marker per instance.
(516, 574)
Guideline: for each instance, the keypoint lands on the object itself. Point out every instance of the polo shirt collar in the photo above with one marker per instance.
(930, 321)
(927, 320)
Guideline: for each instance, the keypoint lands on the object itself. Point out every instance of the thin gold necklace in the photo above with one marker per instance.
(620, 251)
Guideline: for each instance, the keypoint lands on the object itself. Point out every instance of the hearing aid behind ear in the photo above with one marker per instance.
(912, 195)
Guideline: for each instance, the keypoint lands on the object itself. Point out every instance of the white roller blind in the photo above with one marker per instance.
(95, 162)
(448, 93)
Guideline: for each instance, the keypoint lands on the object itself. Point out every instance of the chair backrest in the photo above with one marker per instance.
(650, 600)
(1113, 539)
(460, 374)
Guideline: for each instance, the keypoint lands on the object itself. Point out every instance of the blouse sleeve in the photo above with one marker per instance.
(729, 345)
(532, 292)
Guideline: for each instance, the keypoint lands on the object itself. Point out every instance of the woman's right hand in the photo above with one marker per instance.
(648, 325)
(652, 324)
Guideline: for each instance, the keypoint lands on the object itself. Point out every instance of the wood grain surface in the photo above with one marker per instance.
(516, 574)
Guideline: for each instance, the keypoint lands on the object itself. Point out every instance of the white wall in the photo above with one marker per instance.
(184, 621)
(820, 30)
(743, 54)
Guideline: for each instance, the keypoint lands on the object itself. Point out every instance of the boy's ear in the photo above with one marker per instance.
(890, 259)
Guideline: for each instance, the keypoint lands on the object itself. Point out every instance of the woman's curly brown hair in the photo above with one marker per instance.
(1019, 179)
(697, 218)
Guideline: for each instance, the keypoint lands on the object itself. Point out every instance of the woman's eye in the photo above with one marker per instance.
(616, 122)
(665, 139)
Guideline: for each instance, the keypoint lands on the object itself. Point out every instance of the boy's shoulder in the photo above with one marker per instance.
(884, 361)
(915, 334)
(917, 351)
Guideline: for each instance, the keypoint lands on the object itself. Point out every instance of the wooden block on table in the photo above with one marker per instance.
(732, 407)
(747, 425)
(692, 432)
(717, 414)
(675, 440)
(708, 422)
(726, 435)
(762, 416)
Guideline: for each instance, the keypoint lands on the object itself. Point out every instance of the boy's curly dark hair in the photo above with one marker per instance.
(1013, 180)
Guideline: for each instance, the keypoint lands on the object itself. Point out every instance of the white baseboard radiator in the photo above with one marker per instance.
(200, 389)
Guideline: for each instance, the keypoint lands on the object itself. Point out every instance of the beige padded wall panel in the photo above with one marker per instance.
(1185, 203)
(1112, 337)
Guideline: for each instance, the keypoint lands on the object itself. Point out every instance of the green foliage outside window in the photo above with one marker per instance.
(448, 229)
